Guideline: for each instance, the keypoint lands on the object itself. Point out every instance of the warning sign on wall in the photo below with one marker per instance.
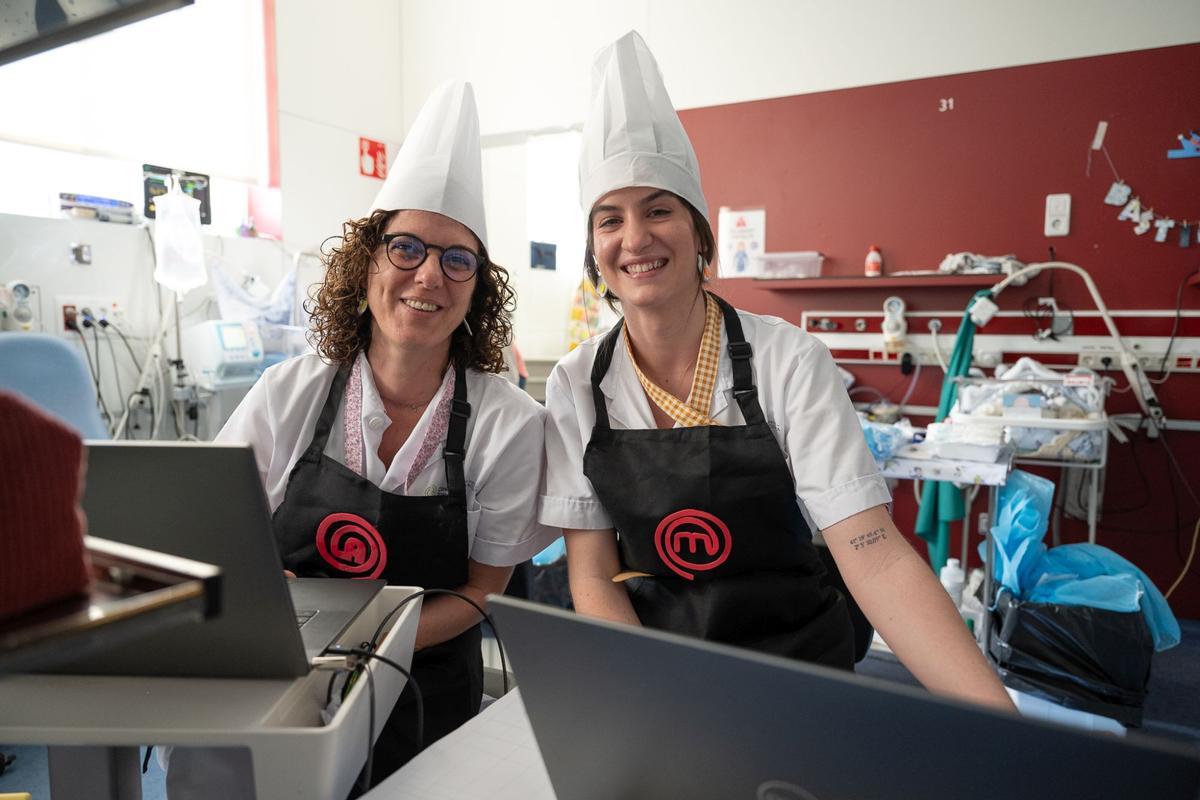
(372, 158)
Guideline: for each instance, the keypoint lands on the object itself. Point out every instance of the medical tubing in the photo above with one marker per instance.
(144, 377)
(91, 323)
(92, 370)
(935, 326)
(486, 617)
(1186, 566)
(106, 325)
(1126, 357)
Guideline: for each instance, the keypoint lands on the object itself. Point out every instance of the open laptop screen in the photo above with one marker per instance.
(620, 711)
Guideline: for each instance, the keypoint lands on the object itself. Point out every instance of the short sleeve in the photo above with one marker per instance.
(251, 423)
(508, 450)
(568, 499)
(835, 475)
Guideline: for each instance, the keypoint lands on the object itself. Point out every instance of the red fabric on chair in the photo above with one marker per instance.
(42, 558)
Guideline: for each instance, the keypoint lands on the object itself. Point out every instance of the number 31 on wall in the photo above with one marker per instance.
(946, 104)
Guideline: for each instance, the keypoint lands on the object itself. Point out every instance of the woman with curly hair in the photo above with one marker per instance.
(396, 451)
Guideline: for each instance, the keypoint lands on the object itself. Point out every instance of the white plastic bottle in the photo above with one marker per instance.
(953, 578)
(873, 267)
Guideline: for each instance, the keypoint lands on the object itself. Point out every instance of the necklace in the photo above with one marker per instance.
(414, 407)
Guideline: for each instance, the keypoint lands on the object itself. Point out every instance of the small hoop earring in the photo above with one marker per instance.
(467, 325)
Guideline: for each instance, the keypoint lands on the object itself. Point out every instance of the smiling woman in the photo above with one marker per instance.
(401, 419)
(695, 450)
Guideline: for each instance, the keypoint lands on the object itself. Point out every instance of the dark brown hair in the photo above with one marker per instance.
(339, 331)
(708, 248)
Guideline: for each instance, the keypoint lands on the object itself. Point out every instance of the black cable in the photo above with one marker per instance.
(1178, 469)
(1162, 367)
(112, 353)
(88, 322)
(369, 767)
(92, 370)
(486, 617)
(106, 325)
(417, 695)
(1137, 463)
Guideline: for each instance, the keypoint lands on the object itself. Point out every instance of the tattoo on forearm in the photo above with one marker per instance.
(877, 535)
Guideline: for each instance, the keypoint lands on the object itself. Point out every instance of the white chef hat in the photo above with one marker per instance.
(632, 135)
(439, 167)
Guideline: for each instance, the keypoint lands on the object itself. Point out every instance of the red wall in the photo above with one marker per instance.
(839, 171)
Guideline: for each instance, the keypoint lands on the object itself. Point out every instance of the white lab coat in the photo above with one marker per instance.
(802, 398)
(503, 465)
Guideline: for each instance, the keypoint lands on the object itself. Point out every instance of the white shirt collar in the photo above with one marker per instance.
(375, 422)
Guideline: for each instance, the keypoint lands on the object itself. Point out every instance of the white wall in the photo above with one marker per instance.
(339, 78)
(530, 61)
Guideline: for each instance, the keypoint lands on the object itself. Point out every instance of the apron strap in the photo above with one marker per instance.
(604, 354)
(325, 421)
(740, 353)
(456, 435)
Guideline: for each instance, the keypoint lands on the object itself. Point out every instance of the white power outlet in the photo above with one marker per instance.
(101, 307)
(1058, 215)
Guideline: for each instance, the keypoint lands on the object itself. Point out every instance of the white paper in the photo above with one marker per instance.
(741, 235)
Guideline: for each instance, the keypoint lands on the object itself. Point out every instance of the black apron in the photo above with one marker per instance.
(710, 512)
(334, 523)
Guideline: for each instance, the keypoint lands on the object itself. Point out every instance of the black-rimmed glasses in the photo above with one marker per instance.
(407, 251)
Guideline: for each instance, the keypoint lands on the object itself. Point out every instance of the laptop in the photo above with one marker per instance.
(206, 502)
(624, 712)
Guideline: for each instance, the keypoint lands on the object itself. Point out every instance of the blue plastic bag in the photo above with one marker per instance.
(1023, 515)
(1069, 575)
(882, 440)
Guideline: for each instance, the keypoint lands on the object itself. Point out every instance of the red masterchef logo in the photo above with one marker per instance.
(349, 543)
(691, 541)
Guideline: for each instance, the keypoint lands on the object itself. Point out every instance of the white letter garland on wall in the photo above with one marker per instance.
(1141, 215)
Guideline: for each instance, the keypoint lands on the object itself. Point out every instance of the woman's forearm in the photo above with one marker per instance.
(927, 633)
(592, 561)
(899, 594)
(443, 616)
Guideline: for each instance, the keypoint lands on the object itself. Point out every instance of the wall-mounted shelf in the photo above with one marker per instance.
(885, 282)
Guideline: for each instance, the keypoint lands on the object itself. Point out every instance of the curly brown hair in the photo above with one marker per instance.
(708, 249)
(339, 331)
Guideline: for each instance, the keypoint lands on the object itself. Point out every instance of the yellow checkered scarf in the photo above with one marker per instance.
(695, 411)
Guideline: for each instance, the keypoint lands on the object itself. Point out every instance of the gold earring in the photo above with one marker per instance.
(362, 305)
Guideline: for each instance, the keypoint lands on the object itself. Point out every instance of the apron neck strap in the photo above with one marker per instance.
(455, 450)
(740, 354)
(329, 410)
(604, 354)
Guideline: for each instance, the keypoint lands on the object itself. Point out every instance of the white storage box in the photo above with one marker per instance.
(295, 755)
(804, 264)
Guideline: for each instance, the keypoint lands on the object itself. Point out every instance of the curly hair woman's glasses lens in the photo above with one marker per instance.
(406, 251)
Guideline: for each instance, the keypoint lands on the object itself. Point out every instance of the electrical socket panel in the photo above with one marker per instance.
(107, 307)
(1100, 359)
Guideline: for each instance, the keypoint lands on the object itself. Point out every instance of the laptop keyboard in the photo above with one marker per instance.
(304, 615)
